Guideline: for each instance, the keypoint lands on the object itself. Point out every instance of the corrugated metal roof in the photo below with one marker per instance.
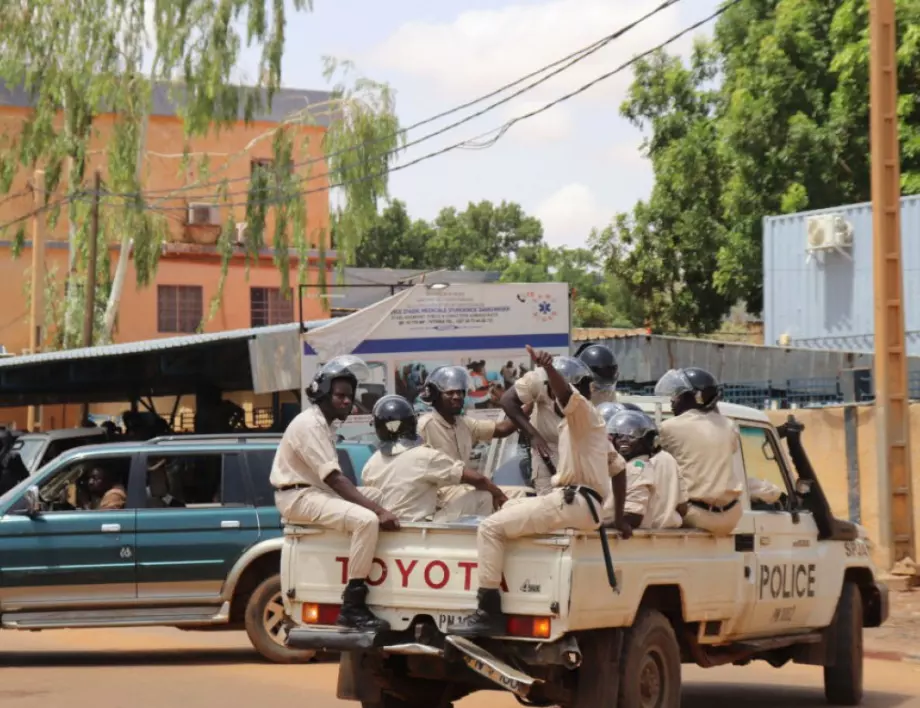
(583, 334)
(150, 345)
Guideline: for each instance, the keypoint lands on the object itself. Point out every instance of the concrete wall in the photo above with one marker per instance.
(824, 441)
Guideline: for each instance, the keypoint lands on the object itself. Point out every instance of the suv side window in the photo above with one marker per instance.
(194, 480)
(762, 457)
(87, 484)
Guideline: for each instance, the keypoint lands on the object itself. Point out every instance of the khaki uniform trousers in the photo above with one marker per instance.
(718, 523)
(525, 517)
(317, 507)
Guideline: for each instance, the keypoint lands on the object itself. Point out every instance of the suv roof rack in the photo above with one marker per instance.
(219, 437)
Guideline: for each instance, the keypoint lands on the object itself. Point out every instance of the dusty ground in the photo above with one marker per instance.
(162, 668)
(901, 633)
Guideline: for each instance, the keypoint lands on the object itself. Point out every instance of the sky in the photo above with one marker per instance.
(574, 166)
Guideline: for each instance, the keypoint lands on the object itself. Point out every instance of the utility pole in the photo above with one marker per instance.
(37, 307)
(89, 310)
(896, 527)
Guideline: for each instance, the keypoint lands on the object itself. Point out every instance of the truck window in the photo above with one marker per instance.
(762, 457)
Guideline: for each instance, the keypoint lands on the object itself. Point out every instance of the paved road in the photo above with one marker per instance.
(164, 668)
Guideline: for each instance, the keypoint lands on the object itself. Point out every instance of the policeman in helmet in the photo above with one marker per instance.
(609, 409)
(581, 484)
(603, 364)
(656, 497)
(311, 489)
(703, 442)
(448, 429)
(405, 474)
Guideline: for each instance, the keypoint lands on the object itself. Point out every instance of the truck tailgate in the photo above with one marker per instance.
(423, 570)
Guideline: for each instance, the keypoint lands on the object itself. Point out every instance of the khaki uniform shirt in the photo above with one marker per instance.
(704, 444)
(307, 452)
(457, 440)
(654, 490)
(408, 479)
(584, 447)
(531, 388)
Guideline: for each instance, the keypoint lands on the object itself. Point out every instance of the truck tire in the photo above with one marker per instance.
(843, 681)
(265, 626)
(650, 665)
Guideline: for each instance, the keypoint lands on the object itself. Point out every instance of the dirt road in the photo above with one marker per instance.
(166, 668)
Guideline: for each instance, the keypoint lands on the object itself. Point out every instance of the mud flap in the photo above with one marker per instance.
(599, 673)
(491, 667)
(356, 681)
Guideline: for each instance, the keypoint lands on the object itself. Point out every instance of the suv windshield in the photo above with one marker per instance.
(29, 449)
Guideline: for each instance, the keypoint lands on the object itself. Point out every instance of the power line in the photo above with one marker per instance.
(567, 62)
(501, 130)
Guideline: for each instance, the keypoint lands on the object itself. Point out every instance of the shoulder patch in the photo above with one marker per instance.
(638, 463)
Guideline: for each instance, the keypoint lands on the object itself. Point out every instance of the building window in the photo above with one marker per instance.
(269, 307)
(179, 308)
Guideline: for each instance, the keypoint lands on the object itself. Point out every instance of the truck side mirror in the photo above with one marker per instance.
(33, 501)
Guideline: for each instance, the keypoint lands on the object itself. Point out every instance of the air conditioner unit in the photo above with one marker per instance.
(203, 215)
(828, 231)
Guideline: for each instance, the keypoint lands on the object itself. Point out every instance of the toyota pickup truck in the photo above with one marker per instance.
(792, 583)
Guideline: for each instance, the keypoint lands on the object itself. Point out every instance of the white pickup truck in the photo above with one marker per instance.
(792, 584)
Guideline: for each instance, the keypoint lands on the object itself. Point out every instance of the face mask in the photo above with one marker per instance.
(602, 396)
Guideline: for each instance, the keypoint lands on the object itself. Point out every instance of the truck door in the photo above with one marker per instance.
(787, 573)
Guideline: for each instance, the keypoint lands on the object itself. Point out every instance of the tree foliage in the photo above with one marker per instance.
(770, 116)
(500, 238)
(79, 61)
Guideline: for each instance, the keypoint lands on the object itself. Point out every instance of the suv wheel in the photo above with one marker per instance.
(267, 625)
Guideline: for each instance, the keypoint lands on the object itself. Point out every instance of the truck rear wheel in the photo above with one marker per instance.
(843, 681)
(265, 625)
(650, 666)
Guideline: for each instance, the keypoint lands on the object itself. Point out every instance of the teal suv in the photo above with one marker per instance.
(178, 531)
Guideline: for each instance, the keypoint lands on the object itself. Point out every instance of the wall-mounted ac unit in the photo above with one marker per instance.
(203, 215)
(828, 232)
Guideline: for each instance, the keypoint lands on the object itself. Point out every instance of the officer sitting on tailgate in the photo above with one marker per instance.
(703, 442)
(311, 489)
(656, 496)
(448, 430)
(405, 474)
(603, 364)
(583, 479)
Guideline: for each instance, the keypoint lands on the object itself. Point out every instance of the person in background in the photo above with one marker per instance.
(447, 429)
(405, 474)
(580, 485)
(311, 489)
(656, 497)
(704, 442)
(603, 364)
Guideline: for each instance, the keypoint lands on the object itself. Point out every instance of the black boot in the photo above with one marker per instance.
(487, 621)
(354, 613)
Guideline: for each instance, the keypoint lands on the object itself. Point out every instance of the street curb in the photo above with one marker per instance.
(900, 656)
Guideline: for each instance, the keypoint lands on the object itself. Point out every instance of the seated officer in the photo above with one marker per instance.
(405, 474)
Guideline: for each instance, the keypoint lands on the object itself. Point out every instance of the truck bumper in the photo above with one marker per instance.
(329, 638)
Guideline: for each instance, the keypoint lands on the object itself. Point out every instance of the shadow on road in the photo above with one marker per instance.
(721, 695)
(143, 657)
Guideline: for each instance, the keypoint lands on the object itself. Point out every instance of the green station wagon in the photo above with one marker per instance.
(196, 545)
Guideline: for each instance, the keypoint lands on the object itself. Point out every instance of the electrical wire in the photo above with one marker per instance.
(567, 62)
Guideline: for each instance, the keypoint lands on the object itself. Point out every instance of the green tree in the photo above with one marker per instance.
(82, 60)
(394, 240)
(770, 117)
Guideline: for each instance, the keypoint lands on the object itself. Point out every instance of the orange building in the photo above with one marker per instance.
(177, 301)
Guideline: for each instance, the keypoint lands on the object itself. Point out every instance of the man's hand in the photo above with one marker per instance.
(498, 498)
(388, 520)
(540, 358)
(622, 525)
(541, 446)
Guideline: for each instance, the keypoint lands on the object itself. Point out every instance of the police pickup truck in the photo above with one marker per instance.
(792, 583)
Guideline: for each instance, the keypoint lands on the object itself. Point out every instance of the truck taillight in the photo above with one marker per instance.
(319, 614)
(527, 626)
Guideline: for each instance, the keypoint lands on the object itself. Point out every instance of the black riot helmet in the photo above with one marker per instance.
(610, 409)
(689, 388)
(347, 367)
(633, 433)
(395, 421)
(603, 364)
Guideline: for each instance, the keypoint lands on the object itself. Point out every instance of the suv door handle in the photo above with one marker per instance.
(229, 524)
(111, 528)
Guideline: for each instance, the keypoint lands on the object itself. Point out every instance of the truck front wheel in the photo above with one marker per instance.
(266, 626)
(843, 680)
(650, 666)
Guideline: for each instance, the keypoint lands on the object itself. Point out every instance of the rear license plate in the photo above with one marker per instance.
(445, 619)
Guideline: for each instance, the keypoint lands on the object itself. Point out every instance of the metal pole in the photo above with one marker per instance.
(89, 308)
(37, 307)
(896, 534)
